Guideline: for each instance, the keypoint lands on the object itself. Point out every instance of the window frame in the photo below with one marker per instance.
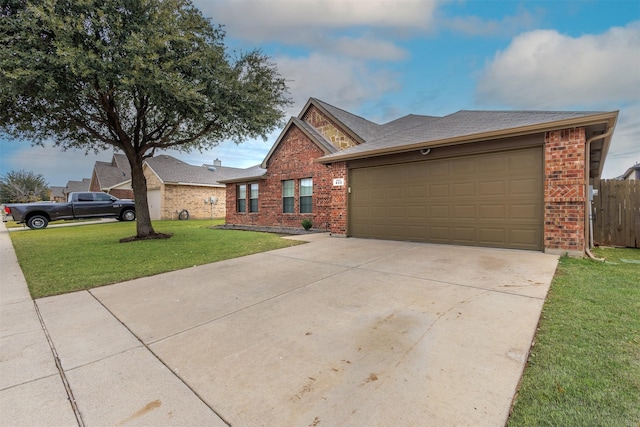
(288, 202)
(253, 201)
(305, 200)
(241, 202)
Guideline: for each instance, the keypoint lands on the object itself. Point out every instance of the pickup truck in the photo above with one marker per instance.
(80, 205)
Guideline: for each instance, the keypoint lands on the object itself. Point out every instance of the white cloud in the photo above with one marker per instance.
(507, 25)
(342, 82)
(258, 20)
(354, 28)
(545, 69)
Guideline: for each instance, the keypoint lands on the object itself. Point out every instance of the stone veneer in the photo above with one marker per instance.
(326, 127)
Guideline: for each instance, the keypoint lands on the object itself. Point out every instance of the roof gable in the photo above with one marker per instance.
(361, 129)
(315, 137)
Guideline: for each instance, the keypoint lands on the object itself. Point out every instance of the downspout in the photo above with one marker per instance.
(588, 207)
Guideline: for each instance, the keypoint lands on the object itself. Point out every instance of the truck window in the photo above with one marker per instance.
(103, 197)
(85, 197)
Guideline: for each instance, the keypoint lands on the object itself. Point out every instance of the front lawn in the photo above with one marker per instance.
(66, 259)
(584, 369)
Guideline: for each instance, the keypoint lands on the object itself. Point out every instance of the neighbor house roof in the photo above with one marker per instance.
(73, 186)
(111, 174)
(173, 171)
(633, 169)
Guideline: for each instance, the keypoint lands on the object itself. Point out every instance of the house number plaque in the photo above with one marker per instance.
(338, 182)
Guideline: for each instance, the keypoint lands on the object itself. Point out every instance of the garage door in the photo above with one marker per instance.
(491, 200)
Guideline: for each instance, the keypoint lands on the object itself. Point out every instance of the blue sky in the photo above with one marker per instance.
(382, 59)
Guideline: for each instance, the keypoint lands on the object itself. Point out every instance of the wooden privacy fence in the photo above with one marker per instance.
(616, 211)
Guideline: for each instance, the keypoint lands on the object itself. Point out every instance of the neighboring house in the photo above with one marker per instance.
(74, 186)
(113, 177)
(632, 173)
(511, 179)
(57, 194)
(174, 186)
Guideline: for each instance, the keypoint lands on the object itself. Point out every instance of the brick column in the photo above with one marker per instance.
(564, 192)
(339, 197)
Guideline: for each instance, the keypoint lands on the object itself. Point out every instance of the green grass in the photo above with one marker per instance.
(584, 369)
(66, 259)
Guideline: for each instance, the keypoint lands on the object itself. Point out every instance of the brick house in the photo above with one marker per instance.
(113, 177)
(512, 179)
(174, 186)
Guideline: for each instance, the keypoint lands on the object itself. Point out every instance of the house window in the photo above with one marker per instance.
(253, 197)
(306, 195)
(242, 198)
(288, 190)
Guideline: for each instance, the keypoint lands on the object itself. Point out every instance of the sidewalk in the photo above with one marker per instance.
(31, 388)
(108, 376)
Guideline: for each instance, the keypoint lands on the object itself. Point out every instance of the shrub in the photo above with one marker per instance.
(307, 224)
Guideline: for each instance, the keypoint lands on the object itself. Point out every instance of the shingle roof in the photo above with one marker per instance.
(173, 171)
(458, 125)
(77, 185)
(109, 175)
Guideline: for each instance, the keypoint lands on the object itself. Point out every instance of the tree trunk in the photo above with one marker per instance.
(144, 228)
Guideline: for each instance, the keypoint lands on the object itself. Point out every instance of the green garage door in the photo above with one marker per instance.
(491, 200)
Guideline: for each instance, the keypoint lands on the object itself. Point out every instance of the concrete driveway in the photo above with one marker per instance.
(336, 332)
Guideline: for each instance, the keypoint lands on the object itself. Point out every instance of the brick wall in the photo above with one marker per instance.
(293, 159)
(564, 192)
(122, 193)
(329, 129)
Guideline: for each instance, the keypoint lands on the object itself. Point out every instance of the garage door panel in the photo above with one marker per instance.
(491, 236)
(417, 191)
(523, 187)
(488, 200)
(438, 190)
(464, 189)
(439, 234)
(416, 212)
(439, 212)
(438, 170)
(463, 167)
(463, 235)
(491, 165)
(520, 161)
(491, 188)
(528, 212)
(496, 212)
(522, 238)
(467, 212)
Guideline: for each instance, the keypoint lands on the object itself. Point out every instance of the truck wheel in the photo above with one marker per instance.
(128, 215)
(37, 222)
